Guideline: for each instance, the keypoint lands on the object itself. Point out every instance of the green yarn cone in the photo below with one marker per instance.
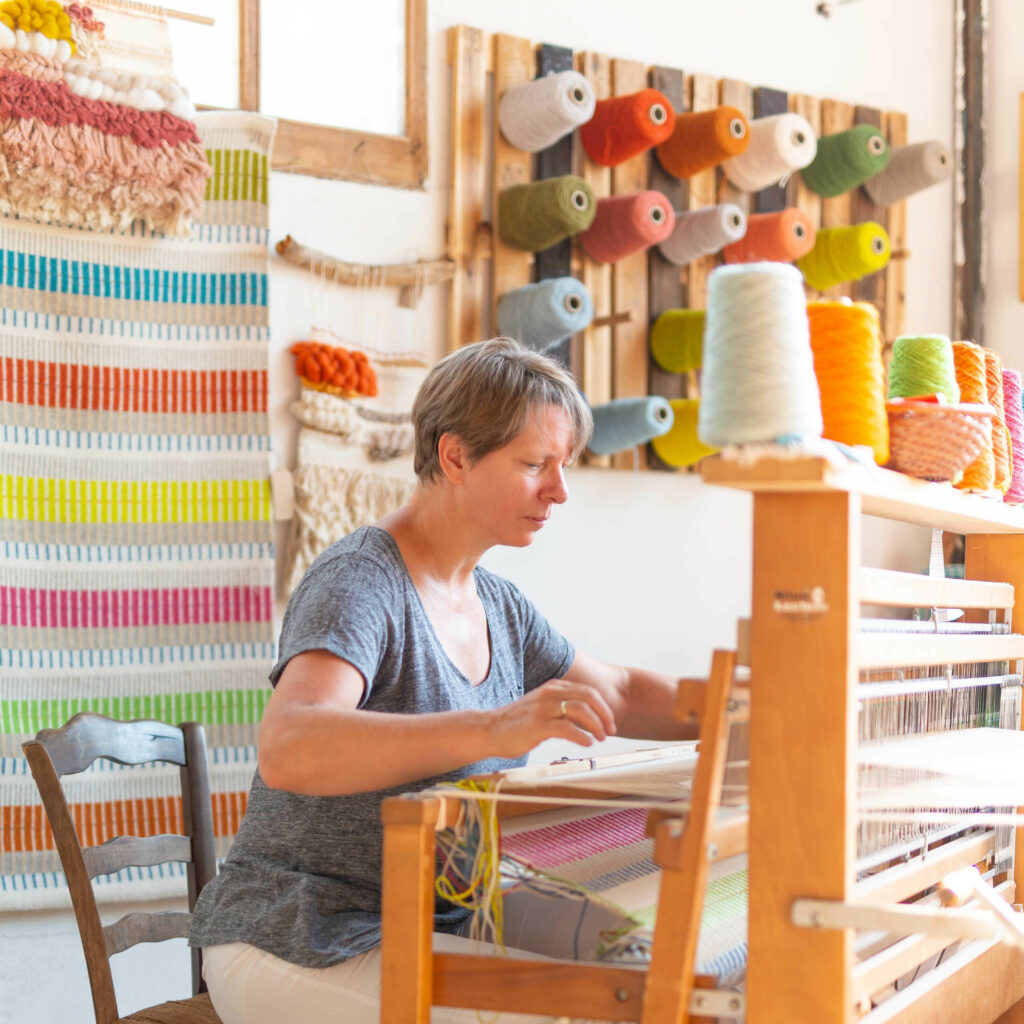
(537, 215)
(846, 159)
(923, 366)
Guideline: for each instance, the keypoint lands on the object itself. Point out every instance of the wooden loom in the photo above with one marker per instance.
(805, 654)
(414, 978)
(610, 359)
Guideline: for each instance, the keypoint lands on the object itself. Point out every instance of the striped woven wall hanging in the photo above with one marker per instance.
(136, 556)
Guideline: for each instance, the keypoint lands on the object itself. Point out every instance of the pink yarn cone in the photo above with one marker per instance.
(1015, 425)
(626, 224)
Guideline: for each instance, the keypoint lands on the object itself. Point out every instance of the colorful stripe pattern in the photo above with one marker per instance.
(136, 545)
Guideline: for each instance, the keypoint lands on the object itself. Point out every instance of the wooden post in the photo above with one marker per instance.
(629, 278)
(996, 556)
(468, 59)
(802, 751)
(685, 864)
(407, 912)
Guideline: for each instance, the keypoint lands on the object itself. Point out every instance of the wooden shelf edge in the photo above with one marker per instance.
(883, 492)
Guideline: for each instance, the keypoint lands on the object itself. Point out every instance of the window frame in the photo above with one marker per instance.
(398, 161)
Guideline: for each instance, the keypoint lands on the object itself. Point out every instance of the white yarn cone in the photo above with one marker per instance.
(536, 114)
(758, 380)
(910, 169)
(779, 145)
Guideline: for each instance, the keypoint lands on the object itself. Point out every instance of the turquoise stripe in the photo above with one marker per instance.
(40, 273)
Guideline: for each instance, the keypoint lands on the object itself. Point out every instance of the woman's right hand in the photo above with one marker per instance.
(558, 709)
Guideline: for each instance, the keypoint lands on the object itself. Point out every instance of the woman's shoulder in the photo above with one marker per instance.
(367, 551)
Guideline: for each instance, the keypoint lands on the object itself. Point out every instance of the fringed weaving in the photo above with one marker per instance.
(136, 559)
(354, 461)
(94, 130)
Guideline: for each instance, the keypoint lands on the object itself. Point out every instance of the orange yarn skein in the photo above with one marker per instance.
(779, 237)
(846, 339)
(702, 139)
(969, 362)
(1000, 435)
(624, 126)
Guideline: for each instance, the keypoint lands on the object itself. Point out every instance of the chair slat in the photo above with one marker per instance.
(77, 743)
(143, 927)
(136, 851)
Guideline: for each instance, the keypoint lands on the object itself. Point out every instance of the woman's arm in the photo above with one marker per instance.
(315, 740)
(642, 701)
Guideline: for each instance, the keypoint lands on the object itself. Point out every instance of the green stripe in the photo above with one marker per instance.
(211, 707)
(237, 174)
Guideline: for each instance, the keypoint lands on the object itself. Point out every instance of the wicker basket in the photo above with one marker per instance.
(934, 441)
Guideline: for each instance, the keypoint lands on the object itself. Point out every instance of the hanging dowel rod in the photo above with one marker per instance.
(383, 275)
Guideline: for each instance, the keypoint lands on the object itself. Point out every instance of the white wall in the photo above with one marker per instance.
(650, 569)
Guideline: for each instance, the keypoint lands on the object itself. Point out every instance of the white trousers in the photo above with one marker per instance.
(249, 986)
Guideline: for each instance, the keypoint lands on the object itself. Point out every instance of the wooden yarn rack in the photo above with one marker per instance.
(611, 357)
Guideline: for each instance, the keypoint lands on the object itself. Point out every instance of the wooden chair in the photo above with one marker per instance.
(70, 749)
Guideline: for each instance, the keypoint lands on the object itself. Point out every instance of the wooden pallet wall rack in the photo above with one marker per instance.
(611, 359)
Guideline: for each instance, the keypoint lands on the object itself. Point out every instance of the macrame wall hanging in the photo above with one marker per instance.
(357, 377)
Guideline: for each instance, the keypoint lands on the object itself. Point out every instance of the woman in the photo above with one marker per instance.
(402, 664)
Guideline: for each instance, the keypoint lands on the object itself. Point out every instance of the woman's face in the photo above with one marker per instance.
(510, 492)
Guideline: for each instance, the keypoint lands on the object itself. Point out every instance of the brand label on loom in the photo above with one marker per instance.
(800, 603)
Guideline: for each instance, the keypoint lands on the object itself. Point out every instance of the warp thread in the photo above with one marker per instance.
(626, 422)
(758, 378)
(776, 237)
(846, 339)
(624, 126)
(1015, 427)
(845, 160)
(1000, 437)
(541, 314)
(923, 365)
(536, 114)
(779, 145)
(702, 139)
(703, 232)
(681, 446)
(910, 169)
(626, 224)
(537, 214)
(677, 340)
(845, 254)
(969, 363)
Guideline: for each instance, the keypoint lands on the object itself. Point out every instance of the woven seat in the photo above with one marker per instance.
(71, 749)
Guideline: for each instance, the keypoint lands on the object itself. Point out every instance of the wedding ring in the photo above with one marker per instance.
(564, 708)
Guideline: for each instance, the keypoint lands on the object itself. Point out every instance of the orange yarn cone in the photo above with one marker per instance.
(780, 237)
(969, 361)
(624, 126)
(1000, 436)
(846, 339)
(702, 139)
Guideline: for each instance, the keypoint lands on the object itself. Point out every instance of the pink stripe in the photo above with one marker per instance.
(25, 606)
(561, 844)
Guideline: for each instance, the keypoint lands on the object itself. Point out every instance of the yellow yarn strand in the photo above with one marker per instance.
(845, 254)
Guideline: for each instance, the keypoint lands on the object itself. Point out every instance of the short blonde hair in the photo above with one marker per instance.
(484, 394)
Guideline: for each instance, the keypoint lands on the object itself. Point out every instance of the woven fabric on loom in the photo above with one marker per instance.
(136, 559)
(607, 853)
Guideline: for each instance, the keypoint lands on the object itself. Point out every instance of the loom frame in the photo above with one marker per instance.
(807, 521)
(414, 978)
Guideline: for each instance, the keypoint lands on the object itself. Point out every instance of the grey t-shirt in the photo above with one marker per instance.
(303, 877)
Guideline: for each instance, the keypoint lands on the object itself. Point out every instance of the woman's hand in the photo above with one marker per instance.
(559, 709)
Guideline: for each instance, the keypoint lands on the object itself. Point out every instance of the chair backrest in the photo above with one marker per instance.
(72, 748)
